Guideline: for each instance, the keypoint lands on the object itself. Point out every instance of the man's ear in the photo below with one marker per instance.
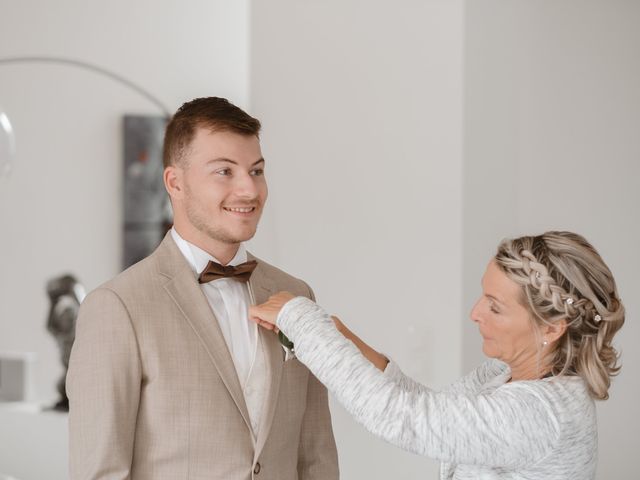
(552, 332)
(173, 177)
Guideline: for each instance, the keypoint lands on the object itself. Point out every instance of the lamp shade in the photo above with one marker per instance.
(7, 144)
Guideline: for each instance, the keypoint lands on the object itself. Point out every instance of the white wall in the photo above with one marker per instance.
(552, 115)
(351, 102)
(361, 106)
(61, 208)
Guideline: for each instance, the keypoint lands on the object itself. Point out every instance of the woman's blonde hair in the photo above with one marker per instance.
(564, 278)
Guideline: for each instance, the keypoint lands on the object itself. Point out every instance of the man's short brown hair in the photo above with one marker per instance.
(214, 113)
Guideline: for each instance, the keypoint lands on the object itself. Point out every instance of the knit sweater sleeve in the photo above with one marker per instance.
(472, 382)
(511, 427)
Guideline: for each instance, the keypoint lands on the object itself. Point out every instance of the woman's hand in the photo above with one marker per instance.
(266, 314)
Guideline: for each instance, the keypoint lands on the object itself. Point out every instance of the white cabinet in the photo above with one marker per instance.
(33, 443)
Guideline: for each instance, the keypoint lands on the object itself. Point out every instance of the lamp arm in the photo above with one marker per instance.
(93, 68)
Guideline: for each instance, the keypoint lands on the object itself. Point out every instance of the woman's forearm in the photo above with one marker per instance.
(451, 427)
(379, 360)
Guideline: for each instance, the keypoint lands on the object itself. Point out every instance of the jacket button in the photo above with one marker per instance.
(256, 469)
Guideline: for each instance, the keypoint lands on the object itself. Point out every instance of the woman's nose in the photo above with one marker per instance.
(475, 312)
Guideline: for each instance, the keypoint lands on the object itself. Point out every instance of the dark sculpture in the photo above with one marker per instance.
(65, 294)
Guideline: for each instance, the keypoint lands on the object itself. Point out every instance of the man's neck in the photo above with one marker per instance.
(221, 251)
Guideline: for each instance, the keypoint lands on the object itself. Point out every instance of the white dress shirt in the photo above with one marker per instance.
(229, 300)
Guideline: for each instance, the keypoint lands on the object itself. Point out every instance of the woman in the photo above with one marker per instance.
(547, 316)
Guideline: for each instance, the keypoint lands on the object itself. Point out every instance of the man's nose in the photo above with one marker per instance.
(245, 186)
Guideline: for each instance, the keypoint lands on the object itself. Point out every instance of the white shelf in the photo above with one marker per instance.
(33, 442)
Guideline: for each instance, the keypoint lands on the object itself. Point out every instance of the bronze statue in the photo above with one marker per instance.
(66, 294)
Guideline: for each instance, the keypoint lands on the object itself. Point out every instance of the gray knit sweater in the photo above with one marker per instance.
(479, 428)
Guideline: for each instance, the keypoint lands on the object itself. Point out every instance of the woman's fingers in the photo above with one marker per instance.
(266, 314)
(263, 314)
(268, 326)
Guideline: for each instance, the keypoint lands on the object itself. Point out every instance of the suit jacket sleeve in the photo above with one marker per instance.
(103, 385)
(317, 455)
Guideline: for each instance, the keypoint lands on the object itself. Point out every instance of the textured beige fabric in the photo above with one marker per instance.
(154, 393)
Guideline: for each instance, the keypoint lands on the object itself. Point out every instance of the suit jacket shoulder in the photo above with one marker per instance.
(146, 277)
(281, 280)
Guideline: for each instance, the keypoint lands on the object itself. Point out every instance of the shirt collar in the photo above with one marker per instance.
(198, 258)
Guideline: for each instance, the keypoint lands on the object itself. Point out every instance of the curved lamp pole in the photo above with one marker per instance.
(7, 139)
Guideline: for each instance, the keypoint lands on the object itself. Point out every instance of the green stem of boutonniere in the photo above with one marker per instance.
(285, 341)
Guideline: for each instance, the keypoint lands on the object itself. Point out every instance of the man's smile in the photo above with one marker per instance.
(240, 210)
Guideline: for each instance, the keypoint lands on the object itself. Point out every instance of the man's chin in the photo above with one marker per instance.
(239, 236)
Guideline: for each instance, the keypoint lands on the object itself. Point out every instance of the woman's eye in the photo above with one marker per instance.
(257, 172)
(224, 171)
(493, 308)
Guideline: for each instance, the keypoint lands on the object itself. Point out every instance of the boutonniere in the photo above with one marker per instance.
(284, 341)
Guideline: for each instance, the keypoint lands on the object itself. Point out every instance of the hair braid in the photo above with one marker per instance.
(564, 279)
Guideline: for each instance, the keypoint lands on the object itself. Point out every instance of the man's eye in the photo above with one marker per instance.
(257, 172)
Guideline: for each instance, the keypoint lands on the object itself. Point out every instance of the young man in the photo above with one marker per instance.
(168, 378)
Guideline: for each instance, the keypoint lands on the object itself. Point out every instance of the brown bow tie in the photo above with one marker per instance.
(214, 271)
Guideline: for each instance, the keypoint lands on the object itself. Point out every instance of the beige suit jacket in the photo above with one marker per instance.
(154, 393)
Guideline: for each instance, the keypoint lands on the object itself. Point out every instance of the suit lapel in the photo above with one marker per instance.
(184, 290)
(262, 288)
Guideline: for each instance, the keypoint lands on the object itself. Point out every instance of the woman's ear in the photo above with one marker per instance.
(552, 332)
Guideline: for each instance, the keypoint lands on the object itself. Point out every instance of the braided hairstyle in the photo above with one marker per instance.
(564, 278)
